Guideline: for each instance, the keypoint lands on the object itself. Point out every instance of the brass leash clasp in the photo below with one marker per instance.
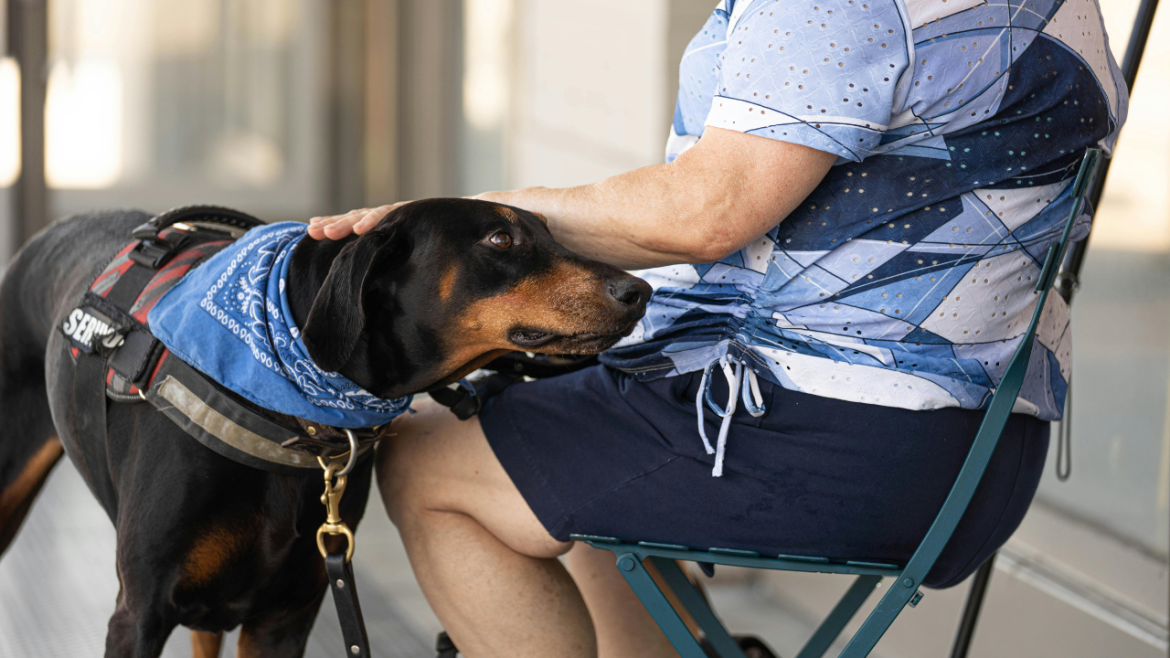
(336, 475)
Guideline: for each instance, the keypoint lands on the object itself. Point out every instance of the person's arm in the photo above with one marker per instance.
(718, 196)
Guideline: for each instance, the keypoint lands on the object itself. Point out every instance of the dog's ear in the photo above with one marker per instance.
(337, 317)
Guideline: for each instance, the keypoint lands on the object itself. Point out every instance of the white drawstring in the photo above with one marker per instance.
(699, 407)
(749, 389)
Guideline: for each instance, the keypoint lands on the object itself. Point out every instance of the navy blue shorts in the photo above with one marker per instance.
(597, 452)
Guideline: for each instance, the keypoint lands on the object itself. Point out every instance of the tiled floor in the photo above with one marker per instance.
(58, 586)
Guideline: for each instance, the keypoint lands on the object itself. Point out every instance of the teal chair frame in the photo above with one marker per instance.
(906, 580)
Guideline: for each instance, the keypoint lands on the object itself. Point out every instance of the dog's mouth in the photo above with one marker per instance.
(530, 339)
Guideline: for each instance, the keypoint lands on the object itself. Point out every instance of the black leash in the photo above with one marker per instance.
(339, 566)
(349, 610)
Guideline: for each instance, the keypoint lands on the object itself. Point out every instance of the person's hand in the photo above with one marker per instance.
(336, 227)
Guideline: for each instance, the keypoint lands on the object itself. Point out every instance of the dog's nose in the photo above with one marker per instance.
(629, 291)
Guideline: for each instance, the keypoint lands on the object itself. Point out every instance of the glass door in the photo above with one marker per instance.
(159, 103)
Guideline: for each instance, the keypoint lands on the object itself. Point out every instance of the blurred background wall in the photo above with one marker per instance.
(292, 108)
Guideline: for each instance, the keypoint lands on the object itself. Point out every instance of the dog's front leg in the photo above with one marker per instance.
(136, 630)
(282, 634)
(205, 644)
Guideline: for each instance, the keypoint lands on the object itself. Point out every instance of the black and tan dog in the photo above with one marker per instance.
(439, 288)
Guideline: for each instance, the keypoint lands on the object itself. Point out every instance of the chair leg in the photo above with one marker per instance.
(878, 622)
(697, 606)
(659, 608)
(832, 626)
(966, 631)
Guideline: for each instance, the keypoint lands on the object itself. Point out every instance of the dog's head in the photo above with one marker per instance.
(441, 287)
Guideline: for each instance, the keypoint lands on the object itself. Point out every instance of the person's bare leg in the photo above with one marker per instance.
(484, 561)
(624, 628)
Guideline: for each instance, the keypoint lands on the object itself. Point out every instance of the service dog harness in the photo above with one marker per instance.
(118, 358)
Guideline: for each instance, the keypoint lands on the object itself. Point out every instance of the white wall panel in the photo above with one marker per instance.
(591, 85)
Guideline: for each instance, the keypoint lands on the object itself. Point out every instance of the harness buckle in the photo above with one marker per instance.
(154, 252)
(461, 398)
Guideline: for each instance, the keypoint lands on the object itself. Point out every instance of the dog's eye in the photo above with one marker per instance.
(501, 240)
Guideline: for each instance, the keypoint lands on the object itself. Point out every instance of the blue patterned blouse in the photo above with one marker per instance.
(905, 279)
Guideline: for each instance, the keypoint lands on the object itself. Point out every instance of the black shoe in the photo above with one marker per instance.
(753, 647)
(445, 646)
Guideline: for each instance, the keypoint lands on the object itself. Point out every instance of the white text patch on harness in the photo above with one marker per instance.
(84, 324)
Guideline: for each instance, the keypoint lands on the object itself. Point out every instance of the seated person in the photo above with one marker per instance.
(843, 241)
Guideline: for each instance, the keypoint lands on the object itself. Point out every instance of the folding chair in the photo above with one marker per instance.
(906, 580)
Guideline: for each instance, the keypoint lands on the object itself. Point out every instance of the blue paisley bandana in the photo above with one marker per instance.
(230, 319)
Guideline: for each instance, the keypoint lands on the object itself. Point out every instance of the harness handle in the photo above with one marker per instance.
(189, 214)
(153, 251)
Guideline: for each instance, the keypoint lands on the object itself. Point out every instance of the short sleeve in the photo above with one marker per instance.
(821, 73)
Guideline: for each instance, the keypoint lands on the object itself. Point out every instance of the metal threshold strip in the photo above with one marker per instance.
(1077, 591)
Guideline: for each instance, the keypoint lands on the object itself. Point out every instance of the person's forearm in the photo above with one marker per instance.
(713, 200)
(635, 220)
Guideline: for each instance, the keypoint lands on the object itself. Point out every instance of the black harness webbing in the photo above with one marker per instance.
(466, 398)
(222, 424)
(89, 386)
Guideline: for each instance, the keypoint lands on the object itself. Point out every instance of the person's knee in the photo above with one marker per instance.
(544, 546)
(435, 464)
(401, 493)
(421, 466)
